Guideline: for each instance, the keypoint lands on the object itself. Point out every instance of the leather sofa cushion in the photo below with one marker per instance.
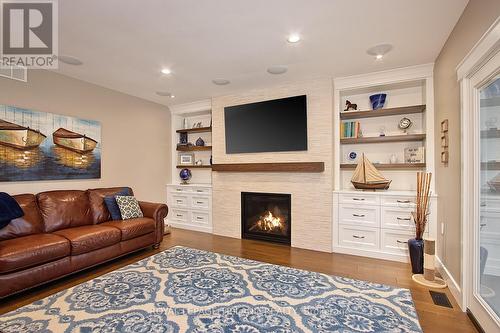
(64, 209)
(29, 224)
(100, 212)
(23, 252)
(90, 237)
(134, 227)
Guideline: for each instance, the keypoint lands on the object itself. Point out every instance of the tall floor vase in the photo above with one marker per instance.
(416, 250)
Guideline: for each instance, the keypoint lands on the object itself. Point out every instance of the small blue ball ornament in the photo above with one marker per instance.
(185, 175)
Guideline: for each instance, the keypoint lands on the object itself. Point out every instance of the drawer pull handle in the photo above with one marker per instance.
(358, 215)
(482, 225)
(358, 199)
(403, 218)
(199, 191)
(400, 242)
(358, 237)
(199, 202)
(179, 201)
(199, 218)
(178, 215)
(403, 201)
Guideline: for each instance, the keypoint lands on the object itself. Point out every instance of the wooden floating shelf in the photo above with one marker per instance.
(382, 112)
(271, 167)
(195, 130)
(387, 166)
(389, 138)
(194, 148)
(194, 166)
(490, 134)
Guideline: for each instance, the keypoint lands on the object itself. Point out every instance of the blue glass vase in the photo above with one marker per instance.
(200, 142)
(416, 248)
(378, 101)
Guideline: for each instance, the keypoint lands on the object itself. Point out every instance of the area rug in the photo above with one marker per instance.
(189, 290)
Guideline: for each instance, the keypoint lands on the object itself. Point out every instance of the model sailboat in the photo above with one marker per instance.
(367, 177)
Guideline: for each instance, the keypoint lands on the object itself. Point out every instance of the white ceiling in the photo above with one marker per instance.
(125, 43)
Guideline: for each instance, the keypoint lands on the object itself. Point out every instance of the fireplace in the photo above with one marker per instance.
(266, 216)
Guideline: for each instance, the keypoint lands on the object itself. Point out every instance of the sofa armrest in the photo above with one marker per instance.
(157, 212)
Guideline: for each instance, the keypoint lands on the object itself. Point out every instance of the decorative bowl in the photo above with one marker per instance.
(185, 175)
(377, 101)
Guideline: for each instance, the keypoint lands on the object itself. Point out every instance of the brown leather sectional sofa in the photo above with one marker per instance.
(63, 232)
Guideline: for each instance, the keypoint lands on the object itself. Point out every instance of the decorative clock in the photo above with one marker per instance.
(405, 124)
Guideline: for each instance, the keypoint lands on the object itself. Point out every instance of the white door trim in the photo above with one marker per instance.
(474, 66)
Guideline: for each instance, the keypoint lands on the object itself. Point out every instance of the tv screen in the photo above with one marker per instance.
(269, 126)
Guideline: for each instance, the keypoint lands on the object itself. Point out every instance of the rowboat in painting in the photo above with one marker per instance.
(77, 142)
(19, 137)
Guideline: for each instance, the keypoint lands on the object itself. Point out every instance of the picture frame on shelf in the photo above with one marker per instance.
(186, 159)
(444, 141)
(444, 157)
(444, 126)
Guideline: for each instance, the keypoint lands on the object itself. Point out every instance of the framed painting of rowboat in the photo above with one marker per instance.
(45, 146)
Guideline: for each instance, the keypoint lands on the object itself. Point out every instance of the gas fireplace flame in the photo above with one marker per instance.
(269, 222)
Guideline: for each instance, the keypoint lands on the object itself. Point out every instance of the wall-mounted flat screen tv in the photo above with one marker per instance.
(269, 126)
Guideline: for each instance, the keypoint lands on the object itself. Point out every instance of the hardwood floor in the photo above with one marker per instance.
(432, 318)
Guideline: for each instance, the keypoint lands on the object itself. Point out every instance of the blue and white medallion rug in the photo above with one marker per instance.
(189, 290)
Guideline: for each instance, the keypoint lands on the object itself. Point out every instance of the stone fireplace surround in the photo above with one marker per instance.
(311, 192)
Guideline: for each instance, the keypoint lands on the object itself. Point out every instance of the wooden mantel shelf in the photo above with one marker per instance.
(271, 167)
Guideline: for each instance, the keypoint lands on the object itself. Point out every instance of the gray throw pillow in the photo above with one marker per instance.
(129, 207)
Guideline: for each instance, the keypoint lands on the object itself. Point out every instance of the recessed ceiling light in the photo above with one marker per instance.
(164, 94)
(166, 71)
(277, 69)
(220, 82)
(69, 60)
(378, 51)
(293, 38)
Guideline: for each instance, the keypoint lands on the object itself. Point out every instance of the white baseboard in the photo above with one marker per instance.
(190, 227)
(455, 289)
(370, 253)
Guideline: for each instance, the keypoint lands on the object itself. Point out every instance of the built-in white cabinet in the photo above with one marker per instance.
(190, 206)
(376, 224)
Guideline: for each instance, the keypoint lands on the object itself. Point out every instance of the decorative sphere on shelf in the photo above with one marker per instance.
(185, 175)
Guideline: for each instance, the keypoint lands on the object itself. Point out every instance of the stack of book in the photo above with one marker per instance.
(350, 129)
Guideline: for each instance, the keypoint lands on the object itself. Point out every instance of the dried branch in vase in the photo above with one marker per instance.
(421, 212)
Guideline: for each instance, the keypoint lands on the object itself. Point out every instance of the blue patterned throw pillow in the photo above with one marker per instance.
(112, 206)
(129, 207)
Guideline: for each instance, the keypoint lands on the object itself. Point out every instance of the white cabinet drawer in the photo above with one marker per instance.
(396, 241)
(180, 201)
(358, 199)
(397, 218)
(200, 218)
(359, 215)
(180, 189)
(398, 201)
(360, 238)
(179, 215)
(199, 202)
(202, 190)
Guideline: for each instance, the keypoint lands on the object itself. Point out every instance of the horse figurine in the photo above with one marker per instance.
(350, 106)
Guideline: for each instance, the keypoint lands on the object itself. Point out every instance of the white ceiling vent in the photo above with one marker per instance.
(17, 73)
